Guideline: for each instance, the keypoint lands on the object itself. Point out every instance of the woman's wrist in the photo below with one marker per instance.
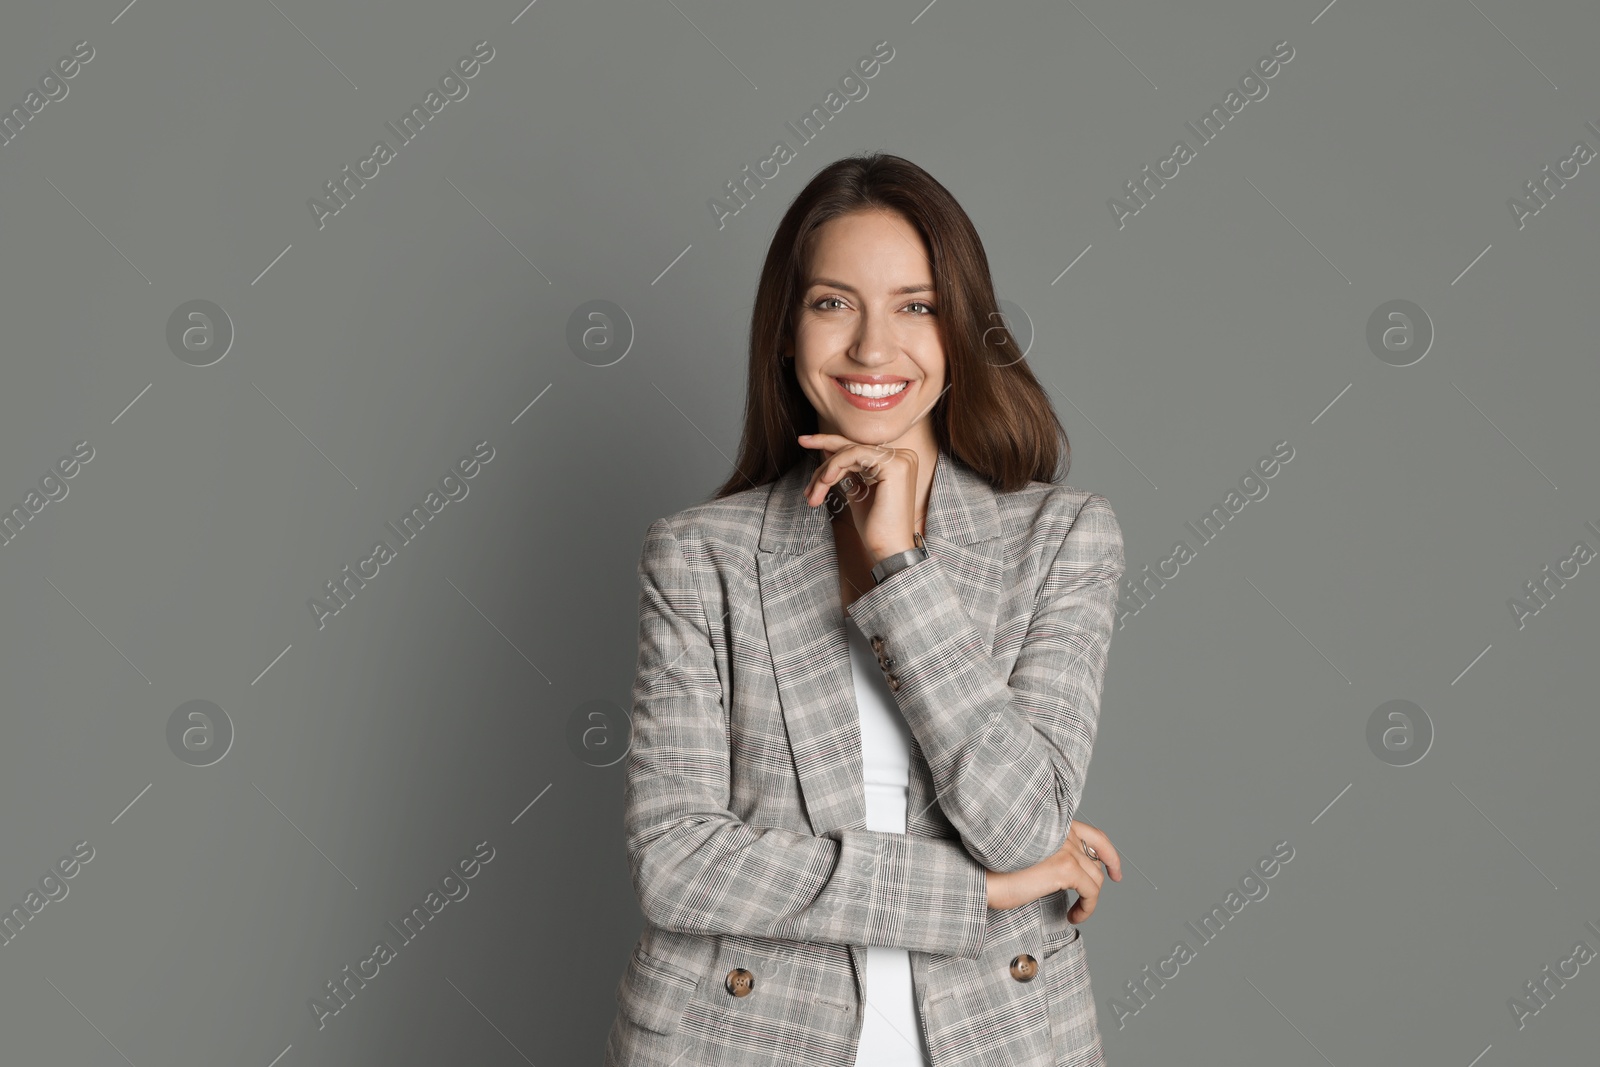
(885, 565)
(879, 553)
(1012, 889)
(1005, 889)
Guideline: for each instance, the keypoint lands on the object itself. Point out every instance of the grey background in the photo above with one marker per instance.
(438, 709)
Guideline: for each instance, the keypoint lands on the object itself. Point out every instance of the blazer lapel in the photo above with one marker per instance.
(798, 571)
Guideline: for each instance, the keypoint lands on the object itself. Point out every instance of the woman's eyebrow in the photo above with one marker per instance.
(835, 284)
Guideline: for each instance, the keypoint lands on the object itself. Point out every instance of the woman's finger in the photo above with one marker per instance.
(1087, 881)
(1092, 869)
(1102, 845)
(850, 456)
(830, 442)
(829, 471)
(830, 445)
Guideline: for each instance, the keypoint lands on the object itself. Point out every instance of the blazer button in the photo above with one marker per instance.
(877, 643)
(740, 982)
(894, 684)
(888, 662)
(1024, 968)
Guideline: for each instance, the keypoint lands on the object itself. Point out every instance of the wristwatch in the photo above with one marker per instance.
(900, 560)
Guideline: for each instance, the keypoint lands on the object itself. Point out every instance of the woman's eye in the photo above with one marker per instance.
(822, 304)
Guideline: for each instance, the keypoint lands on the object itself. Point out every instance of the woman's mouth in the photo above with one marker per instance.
(870, 396)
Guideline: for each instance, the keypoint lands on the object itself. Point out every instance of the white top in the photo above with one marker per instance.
(891, 1036)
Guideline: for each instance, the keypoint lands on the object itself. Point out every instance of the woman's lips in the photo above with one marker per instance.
(870, 403)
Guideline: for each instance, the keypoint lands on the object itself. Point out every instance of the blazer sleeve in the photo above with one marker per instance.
(1008, 756)
(698, 868)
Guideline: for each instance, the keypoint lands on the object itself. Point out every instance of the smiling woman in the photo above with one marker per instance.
(850, 798)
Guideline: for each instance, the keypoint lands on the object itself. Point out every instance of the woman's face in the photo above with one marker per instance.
(868, 318)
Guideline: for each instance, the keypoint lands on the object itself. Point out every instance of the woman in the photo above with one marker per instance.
(869, 678)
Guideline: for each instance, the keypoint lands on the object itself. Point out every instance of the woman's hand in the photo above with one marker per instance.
(1069, 868)
(885, 514)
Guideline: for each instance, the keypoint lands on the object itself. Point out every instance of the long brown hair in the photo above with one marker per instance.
(994, 417)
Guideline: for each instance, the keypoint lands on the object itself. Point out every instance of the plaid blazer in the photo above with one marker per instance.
(745, 812)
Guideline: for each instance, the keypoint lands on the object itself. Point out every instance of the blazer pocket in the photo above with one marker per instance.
(655, 993)
(1057, 937)
(1074, 1029)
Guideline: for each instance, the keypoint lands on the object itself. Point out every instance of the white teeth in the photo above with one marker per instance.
(876, 392)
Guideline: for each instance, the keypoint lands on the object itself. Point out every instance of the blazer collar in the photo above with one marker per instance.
(961, 508)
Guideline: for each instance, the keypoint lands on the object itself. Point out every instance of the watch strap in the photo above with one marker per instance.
(900, 560)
